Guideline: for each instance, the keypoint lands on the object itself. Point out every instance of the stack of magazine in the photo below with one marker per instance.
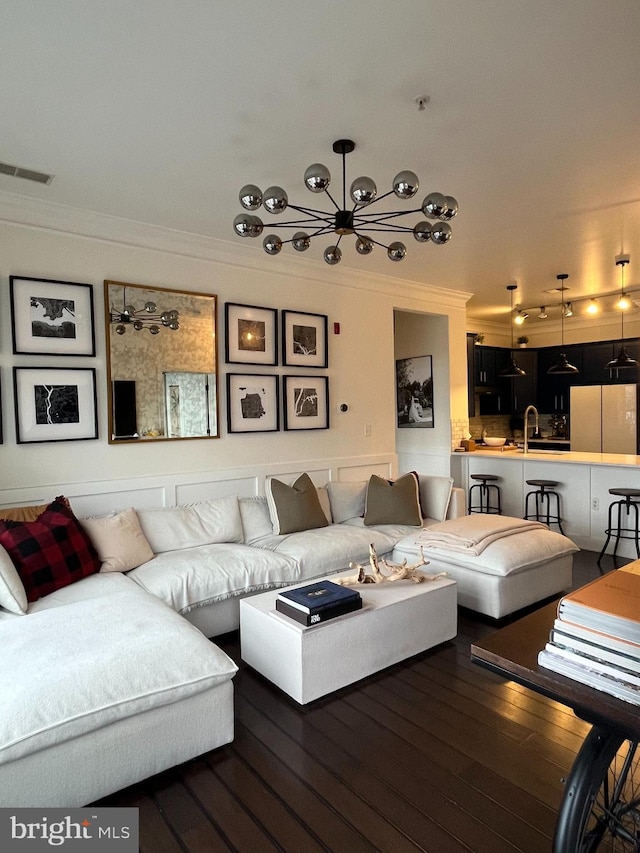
(317, 602)
(596, 636)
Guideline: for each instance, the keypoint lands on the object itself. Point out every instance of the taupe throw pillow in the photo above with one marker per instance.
(295, 507)
(392, 501)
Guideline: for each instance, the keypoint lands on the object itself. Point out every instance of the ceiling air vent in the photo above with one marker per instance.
(26, 174)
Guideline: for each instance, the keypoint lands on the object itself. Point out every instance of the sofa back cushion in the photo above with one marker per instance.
(347, 500)
(119, 540)
(50, 552)
(435, 495)
(392, 501)
(296, 507)
(12, 592)
(188, 526)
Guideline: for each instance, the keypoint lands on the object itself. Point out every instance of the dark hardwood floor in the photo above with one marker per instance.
(433, 754)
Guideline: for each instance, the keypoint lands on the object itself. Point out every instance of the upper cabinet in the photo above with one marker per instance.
(553, 388)
(488, 363)
(524, 389)
(597, 355)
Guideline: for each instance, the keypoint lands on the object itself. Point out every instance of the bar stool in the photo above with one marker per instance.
(542, 495)
(486, 486)
(629, 501)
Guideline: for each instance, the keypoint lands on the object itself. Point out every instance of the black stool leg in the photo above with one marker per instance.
(608, 531)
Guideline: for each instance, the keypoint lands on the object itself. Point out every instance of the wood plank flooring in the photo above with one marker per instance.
(434, 754)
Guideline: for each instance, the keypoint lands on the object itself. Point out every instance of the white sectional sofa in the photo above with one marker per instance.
(111, 679)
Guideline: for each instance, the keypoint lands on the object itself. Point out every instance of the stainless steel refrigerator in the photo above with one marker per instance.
(604, 418)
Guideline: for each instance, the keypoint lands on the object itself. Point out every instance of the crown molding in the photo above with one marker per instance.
(31, 212)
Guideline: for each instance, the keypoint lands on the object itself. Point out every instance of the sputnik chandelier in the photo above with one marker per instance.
(147, 317)
(356, 220)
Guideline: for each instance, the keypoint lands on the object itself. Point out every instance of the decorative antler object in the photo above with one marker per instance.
(398, 571)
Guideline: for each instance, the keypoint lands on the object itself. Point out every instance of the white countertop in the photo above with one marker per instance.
(569, 456)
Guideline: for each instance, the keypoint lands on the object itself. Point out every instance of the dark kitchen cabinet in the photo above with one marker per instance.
(471, 391)
(524, 389)
(596, 355)
(553, 389)
(488, 362)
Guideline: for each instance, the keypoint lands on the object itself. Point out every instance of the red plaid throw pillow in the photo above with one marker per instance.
(51, 552)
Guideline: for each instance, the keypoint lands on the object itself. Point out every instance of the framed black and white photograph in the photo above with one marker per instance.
(304, 339)
(306, 402)
(50, 317)
(55, 403)
(414, 392)
(253, 403)
(251, 334)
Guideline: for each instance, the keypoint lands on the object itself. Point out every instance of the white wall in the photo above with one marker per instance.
(361, 359)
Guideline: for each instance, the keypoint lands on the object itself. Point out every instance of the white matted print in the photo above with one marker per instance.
(304, 339)
(55, 403)
(51, 317)
(252, 403)
(251, 334)
(306, 402)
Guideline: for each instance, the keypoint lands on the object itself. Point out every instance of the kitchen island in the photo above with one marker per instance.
(584, 478)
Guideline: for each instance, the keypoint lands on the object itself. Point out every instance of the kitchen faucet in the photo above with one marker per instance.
(526, 426)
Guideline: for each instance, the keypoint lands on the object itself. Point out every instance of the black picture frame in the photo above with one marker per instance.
(304, 339)
(251, 334)
(305, 402)
(253, 403)
(51, 317)
(414, 392)
(55, 404)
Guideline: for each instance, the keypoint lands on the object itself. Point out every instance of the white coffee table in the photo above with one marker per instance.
(398, 620)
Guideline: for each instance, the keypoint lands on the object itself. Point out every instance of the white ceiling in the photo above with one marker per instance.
(160, 110)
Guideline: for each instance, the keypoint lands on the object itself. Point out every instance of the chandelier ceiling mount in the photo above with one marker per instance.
(345, 220)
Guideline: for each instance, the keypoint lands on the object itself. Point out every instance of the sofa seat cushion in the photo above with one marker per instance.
(195, 577)
(329, 549)
(101, 660)
(507, 555)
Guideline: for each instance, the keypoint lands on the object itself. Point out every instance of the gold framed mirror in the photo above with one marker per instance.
(162, 366)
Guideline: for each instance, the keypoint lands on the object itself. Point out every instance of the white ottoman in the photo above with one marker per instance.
(500, 564)
(397, 620)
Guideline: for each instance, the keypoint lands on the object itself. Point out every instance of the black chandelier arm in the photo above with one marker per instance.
(319, 233)
(371, 240)
(389, 214)
(333, 201)
(382, 228)
(376, 199)
(312, 211)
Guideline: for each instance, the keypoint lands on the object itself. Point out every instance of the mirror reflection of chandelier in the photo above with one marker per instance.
(147, 317)
(357, 219)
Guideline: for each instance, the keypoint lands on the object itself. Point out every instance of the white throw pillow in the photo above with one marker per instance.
(188, 526)
(119, 540)
(347, 500)
(13, 596)
(256, 520)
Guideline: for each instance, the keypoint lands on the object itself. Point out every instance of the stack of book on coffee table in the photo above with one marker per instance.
(317, 602)
(596, 636)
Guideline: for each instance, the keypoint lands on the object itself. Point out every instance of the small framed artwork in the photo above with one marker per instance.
(306, 402)
(304, 339)
(414, 392)
(252, 403)
(51, 317)
(55, 403)
(251, 334)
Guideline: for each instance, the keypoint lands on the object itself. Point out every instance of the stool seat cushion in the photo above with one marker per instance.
(545, 483)
(488, 478)
(625, 493)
